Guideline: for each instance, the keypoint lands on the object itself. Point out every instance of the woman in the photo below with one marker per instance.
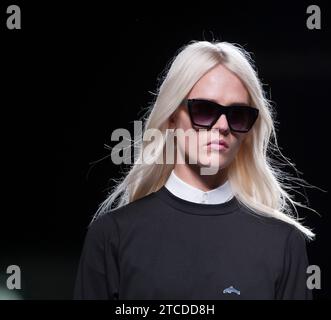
(216, 222)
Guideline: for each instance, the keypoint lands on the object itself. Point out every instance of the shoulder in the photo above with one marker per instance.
(113, 221)
(144, 207)
(102, 223)
(102, 230)
(271, 227)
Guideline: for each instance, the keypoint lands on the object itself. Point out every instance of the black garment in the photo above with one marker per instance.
(164, 247)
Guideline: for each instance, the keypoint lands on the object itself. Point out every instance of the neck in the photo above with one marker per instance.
(191, 175)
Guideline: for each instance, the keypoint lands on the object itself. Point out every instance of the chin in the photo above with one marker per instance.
(214, 160)
(214, 163)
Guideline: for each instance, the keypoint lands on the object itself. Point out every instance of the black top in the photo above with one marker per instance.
(164, 247)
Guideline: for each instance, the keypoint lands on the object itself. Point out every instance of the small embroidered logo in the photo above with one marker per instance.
(230, 290)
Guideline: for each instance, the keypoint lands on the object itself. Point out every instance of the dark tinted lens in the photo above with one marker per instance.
(242, 118)
(203, 112)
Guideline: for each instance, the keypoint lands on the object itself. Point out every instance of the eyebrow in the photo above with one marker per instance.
(231, 104)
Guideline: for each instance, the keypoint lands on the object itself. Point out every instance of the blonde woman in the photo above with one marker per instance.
(216, 222)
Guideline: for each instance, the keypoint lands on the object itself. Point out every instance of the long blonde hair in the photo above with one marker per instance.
(258, 181)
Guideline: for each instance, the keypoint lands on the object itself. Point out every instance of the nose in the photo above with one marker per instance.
(222, 124)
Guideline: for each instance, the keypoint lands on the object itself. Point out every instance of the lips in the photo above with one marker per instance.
(219, 142)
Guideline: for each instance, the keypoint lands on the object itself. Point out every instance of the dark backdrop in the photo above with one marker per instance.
(73, 75)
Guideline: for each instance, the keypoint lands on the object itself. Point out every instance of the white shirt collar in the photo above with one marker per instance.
(185, 191)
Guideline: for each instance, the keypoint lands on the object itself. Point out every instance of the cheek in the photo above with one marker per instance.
(236, 144)
(182, 126)
(183, 121)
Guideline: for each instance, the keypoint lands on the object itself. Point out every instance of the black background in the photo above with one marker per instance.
(74, 74)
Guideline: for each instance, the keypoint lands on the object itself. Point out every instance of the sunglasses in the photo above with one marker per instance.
(205, 113)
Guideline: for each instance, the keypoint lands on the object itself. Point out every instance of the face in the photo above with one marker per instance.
(223, 87)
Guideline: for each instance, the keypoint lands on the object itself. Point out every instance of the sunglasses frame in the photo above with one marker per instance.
(222, 110)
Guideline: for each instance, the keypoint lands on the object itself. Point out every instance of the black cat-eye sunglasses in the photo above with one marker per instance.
(205, 113)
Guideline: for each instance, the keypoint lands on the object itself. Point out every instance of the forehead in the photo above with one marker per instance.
(221, 85)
